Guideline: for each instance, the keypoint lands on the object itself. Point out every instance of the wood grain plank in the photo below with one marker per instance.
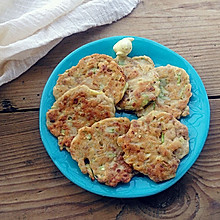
(31, 187)
(191, 29)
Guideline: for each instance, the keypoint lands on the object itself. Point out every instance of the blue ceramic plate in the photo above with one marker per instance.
(197, 122)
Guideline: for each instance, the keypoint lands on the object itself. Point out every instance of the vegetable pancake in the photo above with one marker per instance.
(78, 107)
(175, 92)
(143, 82)
(98, 72)
(154, 145)
(97, 153)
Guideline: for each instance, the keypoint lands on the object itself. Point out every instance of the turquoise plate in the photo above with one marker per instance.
(197, 122)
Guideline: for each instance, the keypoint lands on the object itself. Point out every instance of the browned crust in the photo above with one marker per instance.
(175, 92)
(151, 144)
(76, 108)
(143, 82)
(97, 153)
(98, 72)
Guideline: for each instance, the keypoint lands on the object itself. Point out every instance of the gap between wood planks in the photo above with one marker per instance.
(11, 110)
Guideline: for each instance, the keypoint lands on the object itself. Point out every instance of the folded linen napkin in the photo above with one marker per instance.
(30, 29)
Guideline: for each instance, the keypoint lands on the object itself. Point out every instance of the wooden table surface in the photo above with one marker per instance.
(31, 186)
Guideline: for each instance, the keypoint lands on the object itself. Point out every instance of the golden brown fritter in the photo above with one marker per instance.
(143, 82)
(154, 144)
(175, 92)
(76, 108)
(99, 72)
(97, 153)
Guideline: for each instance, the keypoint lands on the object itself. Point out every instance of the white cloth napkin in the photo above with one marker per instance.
(29, 29)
